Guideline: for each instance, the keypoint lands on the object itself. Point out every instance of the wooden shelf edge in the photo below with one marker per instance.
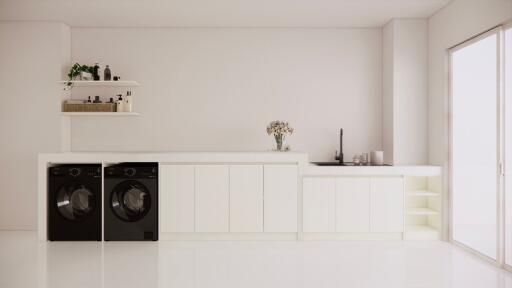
(418, 193)
(88, 83)
(420, 228)
(99, 114)
(421, 211)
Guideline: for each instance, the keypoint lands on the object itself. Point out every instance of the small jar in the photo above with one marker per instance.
(364, 159)
(356, 160)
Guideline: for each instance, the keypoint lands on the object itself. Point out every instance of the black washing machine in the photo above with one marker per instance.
(74, 202)
(131, 202)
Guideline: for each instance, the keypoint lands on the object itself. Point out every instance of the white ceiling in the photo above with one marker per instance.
(219, 13)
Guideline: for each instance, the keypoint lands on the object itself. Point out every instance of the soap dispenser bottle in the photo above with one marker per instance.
(128, 103)
(120, 104)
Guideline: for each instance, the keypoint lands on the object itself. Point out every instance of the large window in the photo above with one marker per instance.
(475, 144)
(507, 76)
(481, 144)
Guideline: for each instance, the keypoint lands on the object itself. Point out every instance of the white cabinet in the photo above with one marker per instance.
(228, 198)
(386, 204)
(246, 198)
(319, 213)
(212, 198)
(280, 198)
(177, 198)
(353, 204)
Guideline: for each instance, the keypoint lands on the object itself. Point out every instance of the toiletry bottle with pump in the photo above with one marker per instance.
(120, 104)
(128, 103)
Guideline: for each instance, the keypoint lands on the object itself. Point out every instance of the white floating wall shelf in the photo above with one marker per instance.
(120, 83)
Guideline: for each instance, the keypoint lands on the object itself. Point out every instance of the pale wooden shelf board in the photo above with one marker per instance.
(99, 114)
(123, 83)
(420, 228)
(422, 193)
(421, 211)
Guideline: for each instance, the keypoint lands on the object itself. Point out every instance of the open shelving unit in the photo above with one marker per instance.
(99, 84)
(423, 207)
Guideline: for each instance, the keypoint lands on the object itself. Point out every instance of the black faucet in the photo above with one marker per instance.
(340, 156)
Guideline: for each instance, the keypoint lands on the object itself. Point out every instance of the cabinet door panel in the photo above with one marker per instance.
(319, 213)
(280, 198)
(177, 198)
(353, 204)
(212, 198)
(387, 204)
(246, 198)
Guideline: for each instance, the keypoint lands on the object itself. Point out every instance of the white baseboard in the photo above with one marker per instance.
(228, 236)
(277, 236)
(352, 236)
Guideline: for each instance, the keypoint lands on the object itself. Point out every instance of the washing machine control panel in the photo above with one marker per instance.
(132, 170)
(75, 171)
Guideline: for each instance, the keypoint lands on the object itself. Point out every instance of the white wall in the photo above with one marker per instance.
(387, 91)
(33, 56)
(216, 89)
(457, 22)
(405, 122)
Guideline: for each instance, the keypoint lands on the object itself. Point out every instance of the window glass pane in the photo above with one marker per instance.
(474, 145)
(508, 145)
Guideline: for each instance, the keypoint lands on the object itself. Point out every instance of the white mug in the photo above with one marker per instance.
(377, 157)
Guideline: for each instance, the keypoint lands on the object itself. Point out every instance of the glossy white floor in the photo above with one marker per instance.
(25, 262)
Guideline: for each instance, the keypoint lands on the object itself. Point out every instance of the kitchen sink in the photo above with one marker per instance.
(331, 164)
(344, 164)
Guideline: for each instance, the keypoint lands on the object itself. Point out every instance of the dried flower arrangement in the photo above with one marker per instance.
(279, 129)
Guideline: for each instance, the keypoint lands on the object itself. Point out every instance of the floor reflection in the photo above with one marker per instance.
(25, 262)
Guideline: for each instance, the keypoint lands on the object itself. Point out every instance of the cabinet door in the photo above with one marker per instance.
(212, 198)
(387, 204)
(280, 198)
(353, 204)
(177, 198)
(246, 198)
(319, 204)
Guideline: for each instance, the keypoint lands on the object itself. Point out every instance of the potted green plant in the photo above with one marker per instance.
(75, 71)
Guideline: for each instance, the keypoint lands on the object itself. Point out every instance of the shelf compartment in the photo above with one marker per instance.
(99, 114)
(419, 228)
(421, 232)
(421, 211)
(420, 193)
(120, 83)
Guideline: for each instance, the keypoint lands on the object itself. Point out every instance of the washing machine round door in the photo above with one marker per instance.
(75, 202)
(130, 200)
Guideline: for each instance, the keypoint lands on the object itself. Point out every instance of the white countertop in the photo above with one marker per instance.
(176, 157)
(409, 170)
(301, 159)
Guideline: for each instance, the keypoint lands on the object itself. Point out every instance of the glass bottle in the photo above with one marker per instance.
(96, 72)
(106, 74)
